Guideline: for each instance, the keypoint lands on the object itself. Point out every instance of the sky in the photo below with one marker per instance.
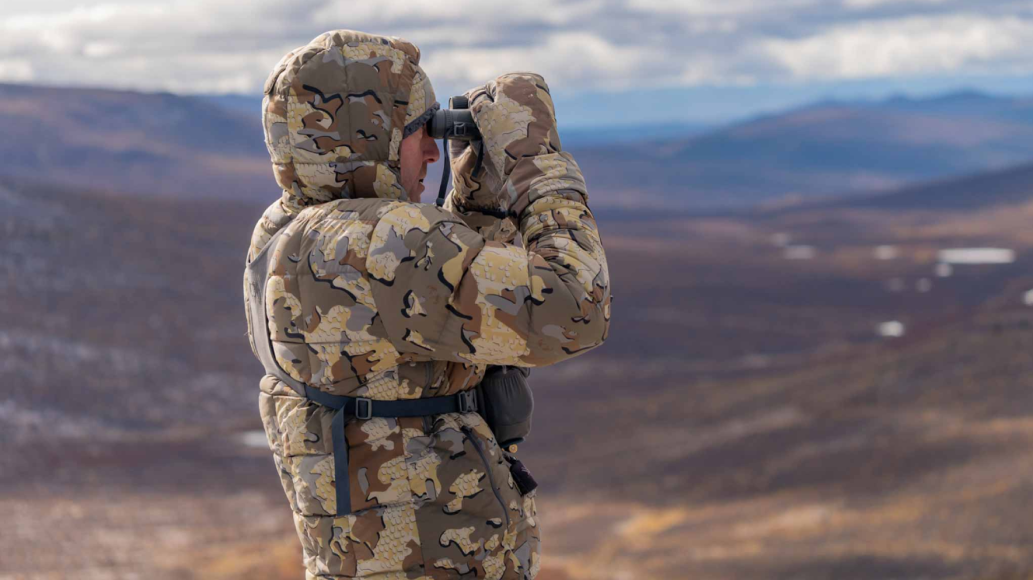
(615, 62)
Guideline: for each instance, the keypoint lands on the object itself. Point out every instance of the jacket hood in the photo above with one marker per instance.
(335, 112)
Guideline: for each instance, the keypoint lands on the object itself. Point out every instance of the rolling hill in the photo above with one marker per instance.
(743, 420)
(163, 144)
(825, 149)
(146, 144)
(1013, 185)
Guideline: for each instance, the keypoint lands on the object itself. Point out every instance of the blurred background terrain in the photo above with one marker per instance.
(821, 350)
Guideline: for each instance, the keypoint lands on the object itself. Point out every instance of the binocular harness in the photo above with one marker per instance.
(456, 122)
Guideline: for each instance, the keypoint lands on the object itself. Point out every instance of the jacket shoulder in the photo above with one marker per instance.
(373, 211)
(415, 215)
(366, 228)
(272, 220)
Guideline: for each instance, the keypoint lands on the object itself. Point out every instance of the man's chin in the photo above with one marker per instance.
(415, 191)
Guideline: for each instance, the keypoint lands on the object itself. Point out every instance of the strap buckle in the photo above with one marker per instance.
(467, 401)
(361, 413)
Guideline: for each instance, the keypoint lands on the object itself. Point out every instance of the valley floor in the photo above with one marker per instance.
(745, 419)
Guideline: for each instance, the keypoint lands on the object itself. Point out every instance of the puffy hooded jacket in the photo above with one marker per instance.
(375, 295)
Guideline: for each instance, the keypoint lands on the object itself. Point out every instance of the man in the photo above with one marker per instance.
(374, 315)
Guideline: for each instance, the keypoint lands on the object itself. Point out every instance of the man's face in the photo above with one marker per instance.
(417, 151)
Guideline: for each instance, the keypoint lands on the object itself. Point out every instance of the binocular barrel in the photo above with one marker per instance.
(455, 122)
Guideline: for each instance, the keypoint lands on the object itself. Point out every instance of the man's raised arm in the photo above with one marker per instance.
(446, 292)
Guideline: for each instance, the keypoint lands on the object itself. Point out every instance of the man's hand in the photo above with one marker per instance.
(478, 199)
(516, 116)
(480, 192)
(520, 146)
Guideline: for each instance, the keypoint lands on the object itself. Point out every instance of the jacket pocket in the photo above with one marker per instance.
(306, 454)
(459, 486)
(479, 447)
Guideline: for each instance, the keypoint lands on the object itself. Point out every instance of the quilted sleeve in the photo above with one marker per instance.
(445, 292)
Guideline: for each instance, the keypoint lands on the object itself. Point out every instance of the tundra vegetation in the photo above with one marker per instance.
(753, 414)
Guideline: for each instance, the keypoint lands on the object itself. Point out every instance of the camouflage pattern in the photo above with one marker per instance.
(372, 294)
(335, 112)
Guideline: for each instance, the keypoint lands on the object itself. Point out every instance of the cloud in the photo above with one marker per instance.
(17, 70)
(570, 59)
(916, 45)
(188, 47)
(477, 12)
(864, 4)
(209, 46)
(718, 8)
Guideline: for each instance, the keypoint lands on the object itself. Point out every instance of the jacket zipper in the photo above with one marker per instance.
(491, 478)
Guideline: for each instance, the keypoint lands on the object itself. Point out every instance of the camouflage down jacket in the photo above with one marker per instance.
(372, 294)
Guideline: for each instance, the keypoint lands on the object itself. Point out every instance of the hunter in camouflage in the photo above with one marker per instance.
(371, 293)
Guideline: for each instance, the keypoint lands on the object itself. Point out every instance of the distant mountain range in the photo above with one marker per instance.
(132, 142)
(212, 146)
(828, 148)
(617, 132)
(1010, 186)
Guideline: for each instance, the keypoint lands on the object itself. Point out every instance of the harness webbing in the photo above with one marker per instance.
(445, 174)
(347, 408)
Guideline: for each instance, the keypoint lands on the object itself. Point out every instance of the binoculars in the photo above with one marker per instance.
(455, 122)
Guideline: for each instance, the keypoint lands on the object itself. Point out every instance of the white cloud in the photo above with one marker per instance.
(101, 49)
(569, 59)
(16, 70)
(209, 46)
(865, 4)
(469, 11)
(915, 45)
(718, 7)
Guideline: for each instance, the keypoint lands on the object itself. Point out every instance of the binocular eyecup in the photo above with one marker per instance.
(455, 122)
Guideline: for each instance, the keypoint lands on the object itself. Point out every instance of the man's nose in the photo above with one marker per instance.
(430, 149)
